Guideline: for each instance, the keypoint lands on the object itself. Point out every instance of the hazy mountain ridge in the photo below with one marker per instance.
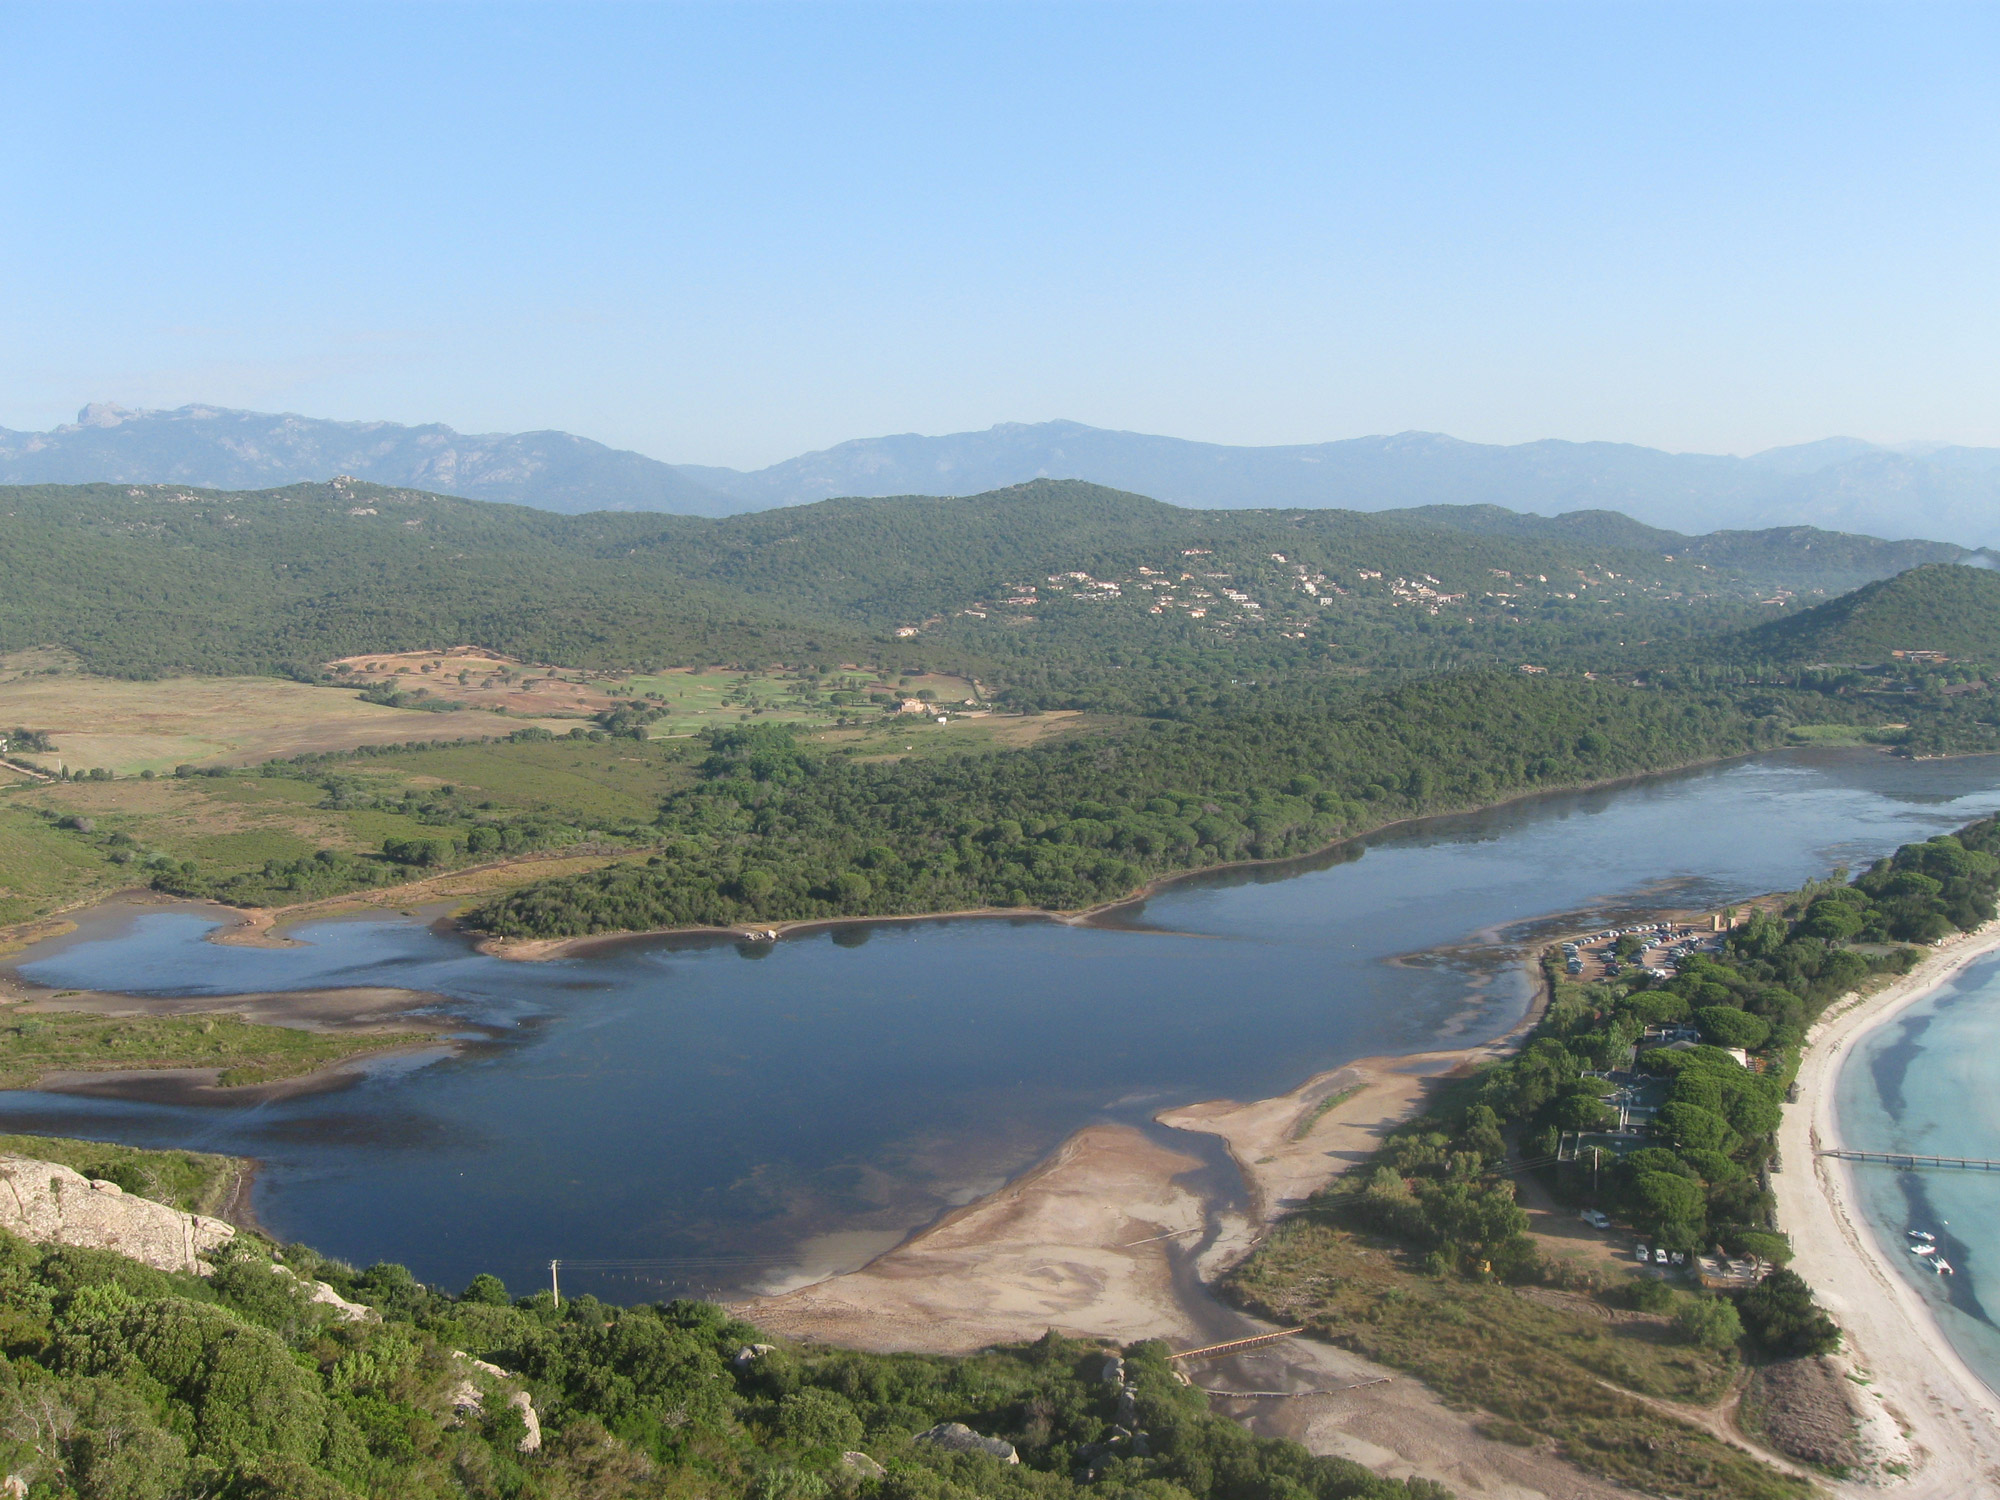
(1837, 484)
(217, 448)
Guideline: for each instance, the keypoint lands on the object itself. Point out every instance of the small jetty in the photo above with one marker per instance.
(1905, 1159)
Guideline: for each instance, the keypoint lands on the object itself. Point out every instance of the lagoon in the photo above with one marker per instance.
(744, 1117)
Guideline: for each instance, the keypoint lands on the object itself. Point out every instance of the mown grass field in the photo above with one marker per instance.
(912, 736)
(617, 778)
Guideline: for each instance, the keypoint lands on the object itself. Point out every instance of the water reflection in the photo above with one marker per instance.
(744, 1106)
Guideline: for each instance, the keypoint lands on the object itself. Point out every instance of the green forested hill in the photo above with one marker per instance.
(1955, 610)
(1791, 556)
(1054, 587)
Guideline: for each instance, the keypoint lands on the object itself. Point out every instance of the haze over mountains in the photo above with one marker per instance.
(1938, 492)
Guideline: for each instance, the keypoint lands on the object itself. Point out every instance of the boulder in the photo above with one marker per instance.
(531, 1441)
(468, 1401)
(326, 1296)
(956, 1437)
(863, 1465)
(47, 1203)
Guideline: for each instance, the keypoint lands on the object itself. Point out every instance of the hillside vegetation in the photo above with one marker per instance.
(1954, 610)
(120, 1382)
(1797, 556)
(1074, 595)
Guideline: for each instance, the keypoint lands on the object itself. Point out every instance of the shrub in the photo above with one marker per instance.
(1727, 1026)
(1709, 1322)
(1781, 1317)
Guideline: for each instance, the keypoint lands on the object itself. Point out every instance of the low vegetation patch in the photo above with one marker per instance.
(1800, 1407)
(34, 1044)
(1548, 1374)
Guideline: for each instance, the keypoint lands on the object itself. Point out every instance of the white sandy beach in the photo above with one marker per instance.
(1929, 1410)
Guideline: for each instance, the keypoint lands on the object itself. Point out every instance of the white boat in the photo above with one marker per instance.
(1942, 1267)
(1923, 1249)
(1923, 1234)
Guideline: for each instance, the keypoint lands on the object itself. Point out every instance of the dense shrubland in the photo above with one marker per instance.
(121, 1381)
(159, 580)
(775, 830)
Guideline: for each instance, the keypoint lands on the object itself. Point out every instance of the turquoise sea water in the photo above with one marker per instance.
(1929, 1082)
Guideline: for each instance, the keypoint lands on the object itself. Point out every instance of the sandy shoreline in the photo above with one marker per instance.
(1110, 1238)
(1924, 1406)
(1086, 1241)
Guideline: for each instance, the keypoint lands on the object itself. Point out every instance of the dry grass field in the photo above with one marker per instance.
(131, 727)
(693, 698)
(64, 843)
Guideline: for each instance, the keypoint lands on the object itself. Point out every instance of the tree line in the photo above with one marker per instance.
(776, 830)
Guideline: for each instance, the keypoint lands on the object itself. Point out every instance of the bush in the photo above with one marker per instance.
(817, 1419)
(1709, 1322)
(1726, 1026)
(1781, 1318)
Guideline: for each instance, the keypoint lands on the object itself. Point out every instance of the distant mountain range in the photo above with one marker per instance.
(1939, 492)
(216, 448)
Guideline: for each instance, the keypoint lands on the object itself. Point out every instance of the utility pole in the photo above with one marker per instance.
(555, 1288)
(1593, 1171)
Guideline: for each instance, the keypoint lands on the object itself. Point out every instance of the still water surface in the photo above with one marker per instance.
(763, 1113)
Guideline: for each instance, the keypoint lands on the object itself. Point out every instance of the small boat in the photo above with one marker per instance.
(1942, 1267)
(1923, 1234)
(1923, 1249)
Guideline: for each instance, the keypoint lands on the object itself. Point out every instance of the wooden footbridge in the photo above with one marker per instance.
(1906, 1159)
(1237, 1346)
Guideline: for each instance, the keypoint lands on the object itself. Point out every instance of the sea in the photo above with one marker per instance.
(698, 1115)
(1928, 1082)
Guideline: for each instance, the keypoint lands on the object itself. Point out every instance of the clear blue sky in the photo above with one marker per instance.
(728, 234)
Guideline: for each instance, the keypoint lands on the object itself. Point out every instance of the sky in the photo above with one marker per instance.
(732, 233)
